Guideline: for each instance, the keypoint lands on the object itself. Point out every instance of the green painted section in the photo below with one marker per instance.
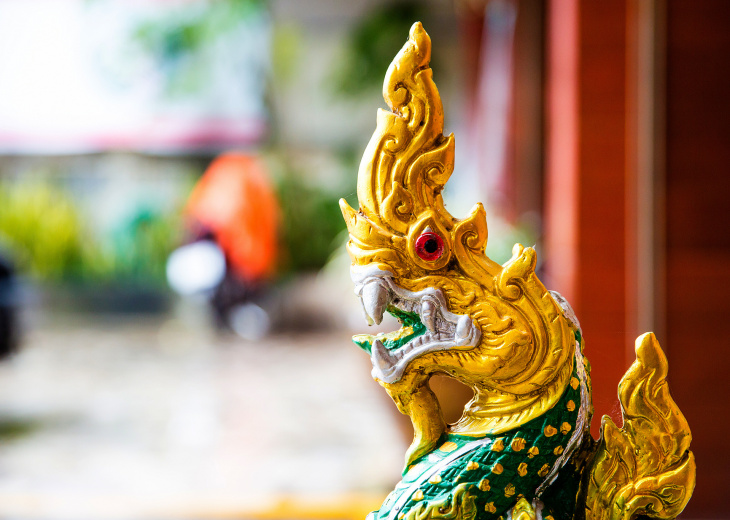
(407, 319)
(520, 472)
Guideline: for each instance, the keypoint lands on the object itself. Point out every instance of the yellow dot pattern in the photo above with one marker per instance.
(518, 444)
(514, 462)
(448, 447)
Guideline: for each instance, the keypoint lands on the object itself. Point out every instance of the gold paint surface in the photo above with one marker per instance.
(509, 490)
(458, 505)
(472, 465)
(448, 447)
(646, 467)
(518, 444)
(523, 510)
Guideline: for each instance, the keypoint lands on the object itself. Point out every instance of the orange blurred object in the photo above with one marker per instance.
(235, 200)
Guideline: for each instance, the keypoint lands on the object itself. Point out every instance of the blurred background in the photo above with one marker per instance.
(175, 302)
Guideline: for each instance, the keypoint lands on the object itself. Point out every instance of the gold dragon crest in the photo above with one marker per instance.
(522, 447)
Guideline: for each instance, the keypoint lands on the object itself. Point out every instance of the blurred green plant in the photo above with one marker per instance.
(184, 30)
(50, 240)
(311, 222)
(43, 230)
(141, 245)
(371, 46)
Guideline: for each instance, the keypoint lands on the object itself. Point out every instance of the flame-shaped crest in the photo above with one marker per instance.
(404, 169)
(408, 160)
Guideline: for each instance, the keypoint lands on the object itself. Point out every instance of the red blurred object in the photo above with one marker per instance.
(235, 200)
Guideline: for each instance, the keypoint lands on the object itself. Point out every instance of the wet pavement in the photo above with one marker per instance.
(156, 418)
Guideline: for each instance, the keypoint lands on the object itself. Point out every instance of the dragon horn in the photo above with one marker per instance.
(408, 160)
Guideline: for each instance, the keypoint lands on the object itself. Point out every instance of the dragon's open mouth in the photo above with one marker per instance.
(427, 324)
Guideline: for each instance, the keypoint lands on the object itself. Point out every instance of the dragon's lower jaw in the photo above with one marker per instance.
(428, 325)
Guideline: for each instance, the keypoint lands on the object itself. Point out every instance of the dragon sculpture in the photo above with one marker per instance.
(522, 448)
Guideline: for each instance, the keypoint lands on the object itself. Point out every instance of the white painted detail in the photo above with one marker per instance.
(376, 289)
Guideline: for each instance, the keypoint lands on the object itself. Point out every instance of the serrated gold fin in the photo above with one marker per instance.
(644, 468)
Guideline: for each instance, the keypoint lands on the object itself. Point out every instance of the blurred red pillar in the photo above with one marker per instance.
(589, 180)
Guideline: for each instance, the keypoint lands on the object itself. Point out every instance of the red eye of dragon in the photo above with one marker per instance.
(429, 246)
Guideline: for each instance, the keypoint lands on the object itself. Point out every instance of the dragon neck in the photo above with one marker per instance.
(493, 411)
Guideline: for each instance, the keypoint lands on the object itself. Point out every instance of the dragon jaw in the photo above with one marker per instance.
(428, 325)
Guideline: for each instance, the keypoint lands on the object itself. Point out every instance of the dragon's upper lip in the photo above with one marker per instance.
(377, 291)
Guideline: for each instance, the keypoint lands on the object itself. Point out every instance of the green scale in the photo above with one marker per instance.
(494, 471)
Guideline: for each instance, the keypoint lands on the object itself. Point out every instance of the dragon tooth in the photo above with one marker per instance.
(381, 357)
(367, 316)
(428, 315)
(374, 297)
(463, 330)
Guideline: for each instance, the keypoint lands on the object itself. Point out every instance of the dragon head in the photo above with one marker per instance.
(494, 328)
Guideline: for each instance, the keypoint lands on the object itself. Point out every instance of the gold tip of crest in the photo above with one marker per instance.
(649, 352)
(349, 214)
(416, 30)
(422, 40)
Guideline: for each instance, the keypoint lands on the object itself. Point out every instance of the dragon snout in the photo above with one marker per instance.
(427, 323)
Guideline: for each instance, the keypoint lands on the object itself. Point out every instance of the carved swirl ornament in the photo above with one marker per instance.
(498, 330)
